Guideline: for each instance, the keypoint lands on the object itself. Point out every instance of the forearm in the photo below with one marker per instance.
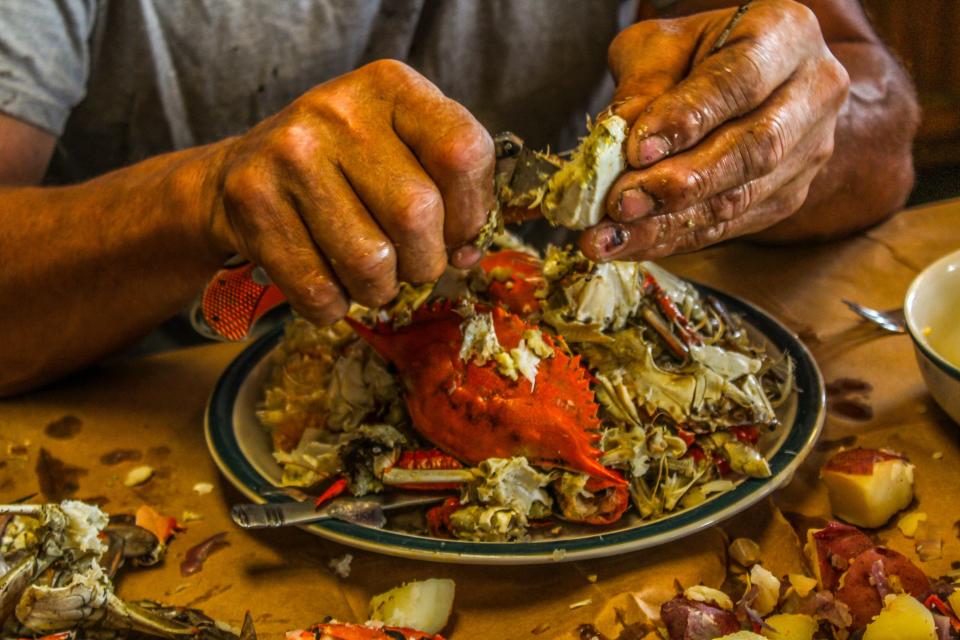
(89, 268)
(870, 173)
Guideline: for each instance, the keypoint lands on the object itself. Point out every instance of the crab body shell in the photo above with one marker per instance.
(473, 412)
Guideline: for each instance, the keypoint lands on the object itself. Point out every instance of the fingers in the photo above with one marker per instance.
(640, 77)
(762, 52)
(765, 214)
(741, 209)
(736, 154)
(271, 234)
(405, 202)
(357, 249)
(455, 150)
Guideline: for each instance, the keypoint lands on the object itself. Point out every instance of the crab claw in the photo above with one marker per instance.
(473, 412)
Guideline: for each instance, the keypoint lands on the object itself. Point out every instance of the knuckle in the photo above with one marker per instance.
(294, 146)
(628, 39)
(374, 263)
(764, 149)
(374, 271)
(419, 212)
(466, 149)
(742, 89)
(706, 236)
(689, 121)
(390, 70)
(244, 187)
(835, 75)
(824, 151)
(692, 186)
(727, 205)
(343, 118)
(321, 299)
(801, 15)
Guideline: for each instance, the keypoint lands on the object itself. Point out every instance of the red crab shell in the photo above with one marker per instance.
(347, 631)
(473, 412)
(524, 277)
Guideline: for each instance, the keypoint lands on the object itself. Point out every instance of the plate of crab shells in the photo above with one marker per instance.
(559, 409)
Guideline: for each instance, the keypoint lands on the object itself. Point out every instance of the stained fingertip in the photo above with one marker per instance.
(466, 256)
(651, 149)
(603, 243)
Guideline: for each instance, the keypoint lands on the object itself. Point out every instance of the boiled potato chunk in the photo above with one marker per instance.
(768, 589)
(868, 486)
(902, 618)
(742, 635)
(790, 626)
(424, 605)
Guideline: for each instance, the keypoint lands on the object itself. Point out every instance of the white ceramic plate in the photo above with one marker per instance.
(242, 450)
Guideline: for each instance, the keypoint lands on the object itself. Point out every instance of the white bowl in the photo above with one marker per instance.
(932, 310)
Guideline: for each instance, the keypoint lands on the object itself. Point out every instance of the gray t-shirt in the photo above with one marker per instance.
(121, 80)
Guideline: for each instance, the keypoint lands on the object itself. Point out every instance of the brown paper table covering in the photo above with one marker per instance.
(155, 405)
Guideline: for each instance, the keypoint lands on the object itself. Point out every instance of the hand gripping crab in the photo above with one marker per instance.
(56, 565)
(480, 395)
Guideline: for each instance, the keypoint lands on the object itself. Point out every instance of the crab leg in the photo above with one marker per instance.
(425, 478)
(427, 470)
(677, 347)
(670, 310)
(21, 509)
(127, 616)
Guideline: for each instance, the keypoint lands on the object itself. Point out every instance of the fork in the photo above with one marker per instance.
(892, 321)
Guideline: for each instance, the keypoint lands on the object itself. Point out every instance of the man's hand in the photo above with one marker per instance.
(367, 180)
(721, 144)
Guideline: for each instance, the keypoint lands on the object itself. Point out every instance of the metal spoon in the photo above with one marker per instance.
(892, 321)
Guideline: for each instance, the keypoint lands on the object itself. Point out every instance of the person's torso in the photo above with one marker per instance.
(168, 75)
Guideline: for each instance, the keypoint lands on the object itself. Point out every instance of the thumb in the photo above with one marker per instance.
(647, 60)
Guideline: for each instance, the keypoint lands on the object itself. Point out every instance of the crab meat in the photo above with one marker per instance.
(576, 193)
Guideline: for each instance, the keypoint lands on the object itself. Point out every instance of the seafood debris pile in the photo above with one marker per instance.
(858, 590)
(58, 561)
(534, 389)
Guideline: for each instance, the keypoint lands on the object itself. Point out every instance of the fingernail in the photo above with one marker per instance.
(465, 256)
(652, 149)
(635, 203)
(611, 240)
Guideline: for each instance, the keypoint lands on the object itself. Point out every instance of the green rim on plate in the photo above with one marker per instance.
(808, 421)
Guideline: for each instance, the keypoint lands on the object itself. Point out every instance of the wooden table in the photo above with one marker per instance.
(155, 405)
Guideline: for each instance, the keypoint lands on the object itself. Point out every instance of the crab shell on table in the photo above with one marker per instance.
(56, 568)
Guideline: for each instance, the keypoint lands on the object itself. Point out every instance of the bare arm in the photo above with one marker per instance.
(369, 179)
(870, 174)
(89, 268)
(798, 128)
